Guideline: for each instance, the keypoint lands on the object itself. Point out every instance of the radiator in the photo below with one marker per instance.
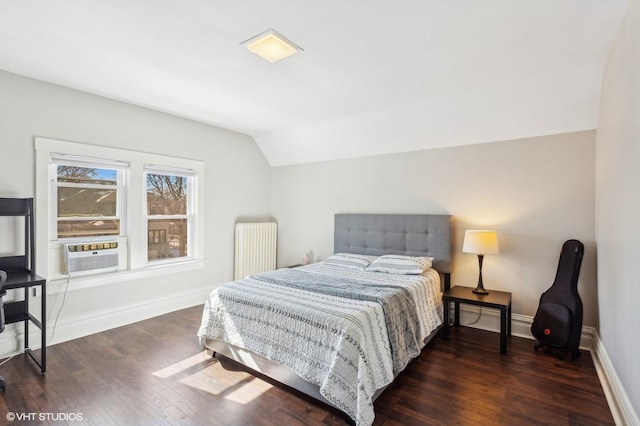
(255, 249)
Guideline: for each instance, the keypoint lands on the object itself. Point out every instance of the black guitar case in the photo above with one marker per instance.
(558, 320)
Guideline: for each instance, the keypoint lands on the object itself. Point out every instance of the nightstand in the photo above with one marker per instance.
(495, 299)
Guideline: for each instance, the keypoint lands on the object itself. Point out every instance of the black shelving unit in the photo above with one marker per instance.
(20, 271)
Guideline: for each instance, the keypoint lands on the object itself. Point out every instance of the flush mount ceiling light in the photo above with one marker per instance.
(271, 45)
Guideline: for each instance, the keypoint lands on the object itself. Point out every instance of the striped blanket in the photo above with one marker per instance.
(342, 329)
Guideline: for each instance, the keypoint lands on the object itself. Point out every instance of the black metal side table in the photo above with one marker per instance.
(495, 299)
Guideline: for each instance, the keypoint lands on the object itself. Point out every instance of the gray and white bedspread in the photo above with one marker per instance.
(342, 329)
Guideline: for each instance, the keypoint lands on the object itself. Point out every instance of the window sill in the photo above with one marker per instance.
(89, 281)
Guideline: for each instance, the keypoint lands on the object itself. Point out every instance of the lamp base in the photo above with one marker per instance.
(480, 287)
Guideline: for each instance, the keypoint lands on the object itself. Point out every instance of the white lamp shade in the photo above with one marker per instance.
(480, 242)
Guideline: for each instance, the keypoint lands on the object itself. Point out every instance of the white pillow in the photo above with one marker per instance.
(350, 260)
(398, 264)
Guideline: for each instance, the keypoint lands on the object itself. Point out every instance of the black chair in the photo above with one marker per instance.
(3, 278)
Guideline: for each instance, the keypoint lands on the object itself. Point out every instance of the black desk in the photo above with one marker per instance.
(17, 311)
(495, 299)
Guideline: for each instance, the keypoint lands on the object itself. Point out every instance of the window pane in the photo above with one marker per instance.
(167, 238)
(166, 194)
(87, 228)
(83, 202)
(75, 174)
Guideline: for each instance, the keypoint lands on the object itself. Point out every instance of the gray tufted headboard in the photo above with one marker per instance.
(409, 234)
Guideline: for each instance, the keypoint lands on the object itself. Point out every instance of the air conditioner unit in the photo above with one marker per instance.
(91, 258)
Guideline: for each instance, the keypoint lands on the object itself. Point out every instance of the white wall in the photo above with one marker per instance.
(618, 206)
(535, 192)
(237, 186)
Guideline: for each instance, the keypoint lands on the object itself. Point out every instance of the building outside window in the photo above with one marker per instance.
(88, 197)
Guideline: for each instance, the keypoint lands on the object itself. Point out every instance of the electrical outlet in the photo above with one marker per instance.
(34, 291)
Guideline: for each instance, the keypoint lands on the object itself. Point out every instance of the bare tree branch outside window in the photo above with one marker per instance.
(166, 194)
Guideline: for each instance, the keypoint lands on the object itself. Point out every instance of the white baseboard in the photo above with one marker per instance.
(621, 408)
(12, 340)
(520, 324)
(619, 404)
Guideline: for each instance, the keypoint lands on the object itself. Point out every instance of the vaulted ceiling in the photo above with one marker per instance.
(374, 77)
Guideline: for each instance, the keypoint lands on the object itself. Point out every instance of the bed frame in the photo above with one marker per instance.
(373, 234)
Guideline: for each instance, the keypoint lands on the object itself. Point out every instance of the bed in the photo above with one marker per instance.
(340, 330)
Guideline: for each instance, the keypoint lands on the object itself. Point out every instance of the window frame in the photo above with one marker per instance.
(190, 214)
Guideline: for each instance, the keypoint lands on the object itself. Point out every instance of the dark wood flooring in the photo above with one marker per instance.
(154, 372)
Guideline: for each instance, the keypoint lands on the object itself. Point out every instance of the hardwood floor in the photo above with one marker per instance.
(155, 372)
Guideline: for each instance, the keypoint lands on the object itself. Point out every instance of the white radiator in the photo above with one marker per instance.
(255, 248)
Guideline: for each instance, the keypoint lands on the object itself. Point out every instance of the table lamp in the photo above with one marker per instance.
(480, 242)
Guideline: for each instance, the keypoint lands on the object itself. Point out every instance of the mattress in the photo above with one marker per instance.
(343, 329)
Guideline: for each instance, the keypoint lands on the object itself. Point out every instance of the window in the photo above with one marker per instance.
(88, 197)
(169, 212)
(151, 205)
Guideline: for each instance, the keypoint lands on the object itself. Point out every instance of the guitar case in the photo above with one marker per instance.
(558, 320)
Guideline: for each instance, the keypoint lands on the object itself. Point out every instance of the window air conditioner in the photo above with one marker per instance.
(91, 258)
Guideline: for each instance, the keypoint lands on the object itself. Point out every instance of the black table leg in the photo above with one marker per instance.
(503, 331)
(445, 326)
(509, 320)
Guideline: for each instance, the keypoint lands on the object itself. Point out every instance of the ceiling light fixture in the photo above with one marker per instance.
(271, 46)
